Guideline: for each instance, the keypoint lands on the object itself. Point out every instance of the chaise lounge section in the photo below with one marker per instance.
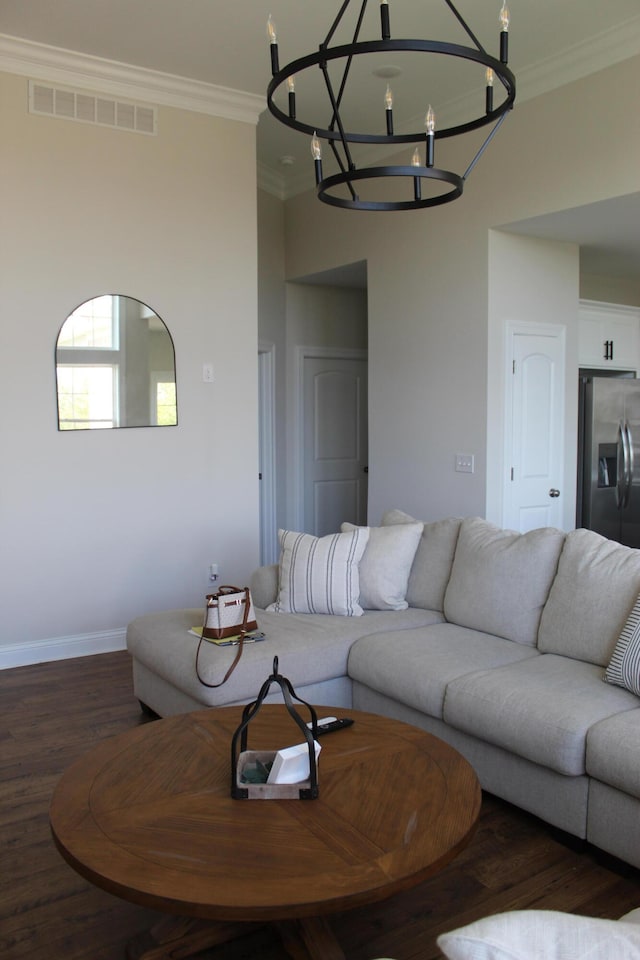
(495, 641)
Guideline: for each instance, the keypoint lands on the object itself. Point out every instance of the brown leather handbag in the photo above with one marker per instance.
(229, 613)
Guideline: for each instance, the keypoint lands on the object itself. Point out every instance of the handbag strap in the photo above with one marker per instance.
(243, 630)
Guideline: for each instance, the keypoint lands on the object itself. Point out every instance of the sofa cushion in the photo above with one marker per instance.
(431, 566)
(311, 648)
(540, 709)
(542, 935)
(320, 574)
(500, 579)
(594, 590)
(613, 751)
(386, 564)
(414, 667)
(624, 666)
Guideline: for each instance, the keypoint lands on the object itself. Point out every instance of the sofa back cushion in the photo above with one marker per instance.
(431, 566)
(386, 564)
(594, 590)
(500, 579)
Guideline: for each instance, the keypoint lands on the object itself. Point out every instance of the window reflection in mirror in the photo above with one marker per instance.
(115, 367)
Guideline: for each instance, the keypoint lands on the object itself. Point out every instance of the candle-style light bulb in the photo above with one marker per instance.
(388, 104)
(504, 18)
(384, 19)
(417, 183)
(430, 123)
(316, 153)
(291, 84)
(490, 77)
(273, 45)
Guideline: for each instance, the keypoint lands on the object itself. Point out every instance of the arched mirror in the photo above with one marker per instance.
(115, 367)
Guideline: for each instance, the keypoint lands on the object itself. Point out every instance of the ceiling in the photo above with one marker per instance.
(225, 44)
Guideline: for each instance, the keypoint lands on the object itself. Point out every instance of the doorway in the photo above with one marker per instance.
(326, 404)
(333, 440)
(534, 437)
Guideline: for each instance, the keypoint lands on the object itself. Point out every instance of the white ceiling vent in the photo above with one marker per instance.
(69, 104)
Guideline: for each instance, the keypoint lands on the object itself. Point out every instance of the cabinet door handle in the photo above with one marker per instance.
(553, 493)
(608, 350)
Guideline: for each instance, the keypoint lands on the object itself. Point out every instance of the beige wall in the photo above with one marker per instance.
(428, 291)
(272, 327)
(624, 290)
(99, 526)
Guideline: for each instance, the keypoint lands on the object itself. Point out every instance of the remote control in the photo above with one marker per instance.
(331, 724)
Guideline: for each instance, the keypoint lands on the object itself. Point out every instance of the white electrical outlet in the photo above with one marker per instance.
(207, 373)
(213, 572)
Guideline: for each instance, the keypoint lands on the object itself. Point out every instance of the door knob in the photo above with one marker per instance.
(553, 492)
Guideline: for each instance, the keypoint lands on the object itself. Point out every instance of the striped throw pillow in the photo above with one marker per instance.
(320, 574)
(624, 666)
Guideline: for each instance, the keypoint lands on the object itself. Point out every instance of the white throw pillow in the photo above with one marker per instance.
(320, 574)
(386, 565)
(624, 666)
(542, 935)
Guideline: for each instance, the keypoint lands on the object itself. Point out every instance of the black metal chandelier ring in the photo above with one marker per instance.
(373, 173)
(347, 51)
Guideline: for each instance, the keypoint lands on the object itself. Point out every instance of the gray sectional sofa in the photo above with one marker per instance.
(497, 643)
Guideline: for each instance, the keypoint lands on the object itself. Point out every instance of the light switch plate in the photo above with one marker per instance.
(465, 463)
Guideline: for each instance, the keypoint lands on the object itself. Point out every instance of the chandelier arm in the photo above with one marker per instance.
(336, 114)
(484, 146)
(347, 66)
(465, 26)
(336, 22)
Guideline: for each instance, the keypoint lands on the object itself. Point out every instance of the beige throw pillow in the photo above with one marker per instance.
(386, 564)
(320, 574)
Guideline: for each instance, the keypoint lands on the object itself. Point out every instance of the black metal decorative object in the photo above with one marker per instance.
(305, 791)
(340, 189)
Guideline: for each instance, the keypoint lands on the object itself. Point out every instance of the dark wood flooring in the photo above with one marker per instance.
(52, 713)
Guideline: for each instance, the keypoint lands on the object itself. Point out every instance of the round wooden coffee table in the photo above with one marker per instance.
(148, 816)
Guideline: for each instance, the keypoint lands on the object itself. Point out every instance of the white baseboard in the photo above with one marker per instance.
(61, 648)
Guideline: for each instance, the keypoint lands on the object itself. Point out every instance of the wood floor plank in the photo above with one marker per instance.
(51, 714)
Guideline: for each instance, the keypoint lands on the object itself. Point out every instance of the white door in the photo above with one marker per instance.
(534, 455)
(334, 469)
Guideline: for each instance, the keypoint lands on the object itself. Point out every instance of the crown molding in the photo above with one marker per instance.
(604, 50)
(42, 62)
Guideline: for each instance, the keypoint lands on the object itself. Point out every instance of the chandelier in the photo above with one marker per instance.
(337, 66)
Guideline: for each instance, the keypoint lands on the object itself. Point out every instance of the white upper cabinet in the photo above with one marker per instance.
(609, 335)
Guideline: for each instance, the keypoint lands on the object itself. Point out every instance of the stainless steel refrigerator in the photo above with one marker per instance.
(609, 457)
